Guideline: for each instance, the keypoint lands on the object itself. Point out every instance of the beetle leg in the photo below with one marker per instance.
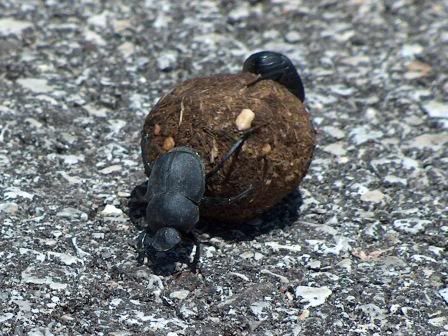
(197, 255)
(137, 203)
(141, 251)
(234, 150)
(218, 201)
(274, 73)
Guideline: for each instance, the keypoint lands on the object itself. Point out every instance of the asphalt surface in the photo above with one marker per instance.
(366, 252)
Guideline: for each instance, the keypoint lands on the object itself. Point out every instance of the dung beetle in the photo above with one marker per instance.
(181, 180)
(174, 192)
(277, 67)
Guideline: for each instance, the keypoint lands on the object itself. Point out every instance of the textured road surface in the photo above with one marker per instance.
(367, 254)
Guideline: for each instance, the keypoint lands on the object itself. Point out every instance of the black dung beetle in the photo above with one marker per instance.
(199, 164)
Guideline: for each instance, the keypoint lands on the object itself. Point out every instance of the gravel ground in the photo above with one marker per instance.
(365, 256)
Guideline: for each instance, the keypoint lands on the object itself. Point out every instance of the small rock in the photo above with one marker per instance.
(70, 213)
(314, 264)
(258, 256)
(258, 309)
(35, 85)
(253, 325)
(34, 123)
(123, 194)
(342, 90)
(10, 26)
(67, 318)
(157, 129)
(244, 119)
(6, 317)
(433, 141)
(394, 180)
(121, 25)
(266, 149)
(440, 321)
(32, 276)
(65, 258)
(362, 134)
(315, 296)
(373, 312)
(444, 294)
(356, 60)
(411, 225)
(336, 148)
(180, 294)
(334, 132)
(282, 278)
(110, 169)
(239, 13)
(116, 125)
(168, 143)
(374, 196)
(239, 275)
(71, 159)
(99, 20)
(436, 109)
(93, 37)
(4, 160)
(304, 315)
(95, 110)
(417, 69)
(246, 255)
(276, 247)
(127, 49)
(411, 50)
(167, 61)
(9, 208)
(111, 210)
(14, 193)
(292, 37)
(371, 113)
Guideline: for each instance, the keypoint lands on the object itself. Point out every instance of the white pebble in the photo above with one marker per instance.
(373, 196)
(436, 109)
(9, 208)
(315, 296)
(411, 225)
(111, 210)
(180, 294)
(292, 36)
(244, 119)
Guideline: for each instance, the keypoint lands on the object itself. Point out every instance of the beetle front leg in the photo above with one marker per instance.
(197, 254)
(234, 150)
(212, 201)
(137, 204)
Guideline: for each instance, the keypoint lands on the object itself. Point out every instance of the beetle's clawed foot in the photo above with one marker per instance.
(140, 246)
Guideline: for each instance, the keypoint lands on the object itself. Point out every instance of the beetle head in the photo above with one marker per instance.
(277, 67)
(165, 239)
